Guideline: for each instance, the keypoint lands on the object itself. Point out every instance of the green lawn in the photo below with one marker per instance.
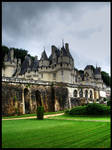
(52, 133)
(30, 115)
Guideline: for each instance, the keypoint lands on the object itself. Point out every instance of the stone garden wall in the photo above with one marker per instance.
(18, 98)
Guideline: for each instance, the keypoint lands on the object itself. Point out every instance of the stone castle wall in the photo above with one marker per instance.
(24, 98)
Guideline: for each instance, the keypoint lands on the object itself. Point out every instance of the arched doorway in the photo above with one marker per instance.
(38, 98)
(27, 100)
(91, 94)
(86, 94)
(75, 93)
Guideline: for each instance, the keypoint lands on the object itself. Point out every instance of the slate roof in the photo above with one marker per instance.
(97, 71)
(66, 52)
(44, 56)
(25, 65)
(35, 65)
(88, 67)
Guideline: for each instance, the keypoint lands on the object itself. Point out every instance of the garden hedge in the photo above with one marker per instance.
(89, 109)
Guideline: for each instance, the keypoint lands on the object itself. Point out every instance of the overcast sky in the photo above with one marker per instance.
(84, 25)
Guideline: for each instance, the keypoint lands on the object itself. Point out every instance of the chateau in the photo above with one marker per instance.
(55, 76)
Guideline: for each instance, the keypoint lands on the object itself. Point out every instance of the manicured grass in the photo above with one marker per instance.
(82, 117)
(51, 133)
(30, 115)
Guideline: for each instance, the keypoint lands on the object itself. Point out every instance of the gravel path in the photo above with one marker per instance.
(48, 116)
(45, 116)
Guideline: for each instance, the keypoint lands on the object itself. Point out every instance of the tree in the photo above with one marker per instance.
(20, 53)
(106, 78)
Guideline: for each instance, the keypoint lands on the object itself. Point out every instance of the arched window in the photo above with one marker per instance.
(81, 93)
(86, 93)
(75, 93)
(91, 94)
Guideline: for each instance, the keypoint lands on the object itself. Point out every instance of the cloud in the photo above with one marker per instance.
(85, 26)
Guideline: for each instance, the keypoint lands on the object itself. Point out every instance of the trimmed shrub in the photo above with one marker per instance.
(90, 109)
(40, 112)
(79, 110)
(97, 109)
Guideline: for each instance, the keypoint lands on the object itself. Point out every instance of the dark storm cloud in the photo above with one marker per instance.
(33, 25)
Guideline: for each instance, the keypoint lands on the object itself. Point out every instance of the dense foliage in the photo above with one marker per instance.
(106, 78)
(89, 109)
(78, 110)
(18, 53)
(40, 112)
(109, 103)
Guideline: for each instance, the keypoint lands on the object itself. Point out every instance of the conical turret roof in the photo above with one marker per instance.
(44, 56)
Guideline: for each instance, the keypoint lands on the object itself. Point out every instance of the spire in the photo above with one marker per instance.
(62, 42)
(44, 55)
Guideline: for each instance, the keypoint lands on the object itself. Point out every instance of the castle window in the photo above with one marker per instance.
(81, 93)
(75, 93)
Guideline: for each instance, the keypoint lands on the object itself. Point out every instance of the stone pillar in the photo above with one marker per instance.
(83, 92)
(30, 101)
(93, 94)
(23, 102)
(77, 93)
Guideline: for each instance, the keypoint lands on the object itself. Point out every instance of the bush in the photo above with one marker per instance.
(96, 109)
(40, 112)
(108, 103)
(79, 110)
(90, 109)
(67, 111)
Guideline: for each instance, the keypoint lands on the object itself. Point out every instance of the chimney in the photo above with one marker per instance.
(67, 46)
(53, 49)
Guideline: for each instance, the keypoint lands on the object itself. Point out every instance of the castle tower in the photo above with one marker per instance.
(44, 60)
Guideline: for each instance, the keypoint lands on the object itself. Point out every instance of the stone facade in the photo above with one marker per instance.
(53, 82)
